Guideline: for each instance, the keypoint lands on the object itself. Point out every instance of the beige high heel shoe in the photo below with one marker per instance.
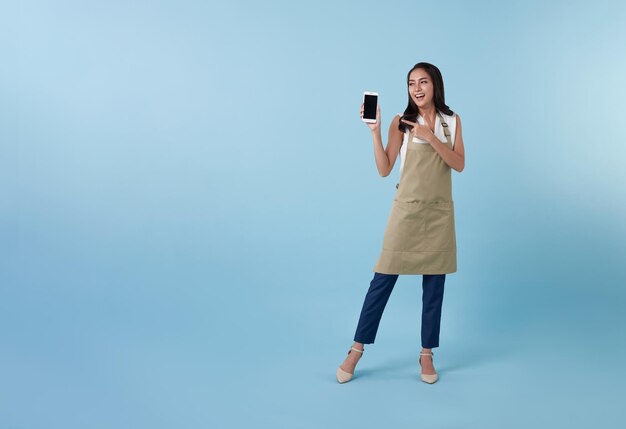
(343, 376)
(428, 378)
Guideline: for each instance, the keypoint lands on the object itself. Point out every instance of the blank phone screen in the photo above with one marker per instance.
(369, 111)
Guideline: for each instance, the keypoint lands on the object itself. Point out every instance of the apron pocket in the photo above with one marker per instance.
(419, 226)
(406, 228)
(439, 217)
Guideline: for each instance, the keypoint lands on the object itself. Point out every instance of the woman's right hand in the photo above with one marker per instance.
(375, 126)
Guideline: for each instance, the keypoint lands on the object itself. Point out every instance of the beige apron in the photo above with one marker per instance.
(420, 236)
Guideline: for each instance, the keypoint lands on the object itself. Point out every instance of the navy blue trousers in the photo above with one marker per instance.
(376, 300)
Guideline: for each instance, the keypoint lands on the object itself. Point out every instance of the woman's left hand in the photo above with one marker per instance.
(420, 131)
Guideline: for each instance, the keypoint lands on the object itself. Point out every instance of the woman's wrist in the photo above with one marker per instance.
(433, 140)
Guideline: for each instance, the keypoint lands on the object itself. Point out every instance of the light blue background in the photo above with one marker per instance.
(190, 214)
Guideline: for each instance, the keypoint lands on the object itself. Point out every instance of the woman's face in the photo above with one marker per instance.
(421, 88)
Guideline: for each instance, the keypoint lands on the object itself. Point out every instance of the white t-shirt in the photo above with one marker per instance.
(450, 120)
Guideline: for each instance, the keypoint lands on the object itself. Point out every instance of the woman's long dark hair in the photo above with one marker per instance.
(411, 111)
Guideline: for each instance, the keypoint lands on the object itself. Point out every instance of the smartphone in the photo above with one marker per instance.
(370, 102)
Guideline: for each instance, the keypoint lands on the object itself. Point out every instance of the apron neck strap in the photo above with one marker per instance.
(446, 131)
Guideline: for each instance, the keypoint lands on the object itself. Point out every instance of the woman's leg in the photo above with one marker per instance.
(432, 299)
(373, 307)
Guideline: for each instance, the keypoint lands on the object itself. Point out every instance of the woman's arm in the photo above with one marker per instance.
(455, 158)
(386, 158)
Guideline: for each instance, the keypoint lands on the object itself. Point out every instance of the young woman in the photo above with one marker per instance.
(420, 236)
